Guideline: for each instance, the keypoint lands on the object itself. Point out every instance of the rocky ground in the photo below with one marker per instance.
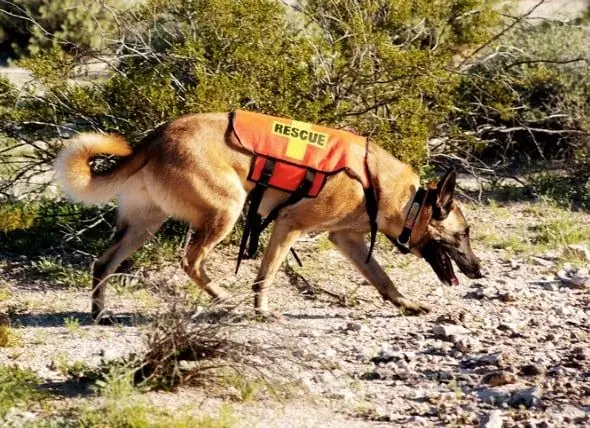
(512, 349)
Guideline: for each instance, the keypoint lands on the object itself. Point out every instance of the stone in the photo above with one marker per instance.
(483, 360)
(499, 378)
(445, 331)
(492, 419)
(493, 396)
(574, 414)
(528, 397)
(354, 326)
(531, 370)
(510, 327)
(580, 282)
(538, 261)
(578, 251)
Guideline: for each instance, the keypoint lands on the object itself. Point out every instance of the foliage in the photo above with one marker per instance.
(18, 387)
(381, 67)
(30, 26)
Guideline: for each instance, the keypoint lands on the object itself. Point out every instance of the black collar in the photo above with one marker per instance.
(403, 240)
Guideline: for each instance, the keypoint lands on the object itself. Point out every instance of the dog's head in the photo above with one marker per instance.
(444, 234)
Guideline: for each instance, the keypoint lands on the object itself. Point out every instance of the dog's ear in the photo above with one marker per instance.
(445, 192)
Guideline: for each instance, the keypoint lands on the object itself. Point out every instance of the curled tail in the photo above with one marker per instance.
(73, 172)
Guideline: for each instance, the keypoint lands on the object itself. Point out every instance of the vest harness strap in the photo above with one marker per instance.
(297, 158)
(253, 219)
(403, 240)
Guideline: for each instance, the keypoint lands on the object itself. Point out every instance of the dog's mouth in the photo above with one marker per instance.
(441, 263)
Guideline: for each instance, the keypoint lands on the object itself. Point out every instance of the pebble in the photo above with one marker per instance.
(483, 360)
(529, 397)
(354, 326)
(492, 420)
(542, 262)
(578, 251)
(498, 378)
(531, 370)
(447, 330)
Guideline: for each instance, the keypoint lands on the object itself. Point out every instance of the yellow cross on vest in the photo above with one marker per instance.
(300, 136)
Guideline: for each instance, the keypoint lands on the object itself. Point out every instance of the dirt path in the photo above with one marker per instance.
(513, 346)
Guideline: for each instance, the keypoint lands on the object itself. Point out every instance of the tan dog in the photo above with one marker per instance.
(193, 169)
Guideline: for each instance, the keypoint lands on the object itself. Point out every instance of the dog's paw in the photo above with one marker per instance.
(407, 307)
(268, 316)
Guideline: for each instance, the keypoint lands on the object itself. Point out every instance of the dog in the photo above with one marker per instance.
(194, 169)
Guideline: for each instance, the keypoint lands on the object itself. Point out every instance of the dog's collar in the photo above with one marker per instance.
(403, 240)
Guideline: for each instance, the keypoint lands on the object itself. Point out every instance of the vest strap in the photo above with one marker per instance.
(253, 219)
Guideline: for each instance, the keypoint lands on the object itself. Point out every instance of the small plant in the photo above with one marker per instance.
(9, 337)
(561, 232)
(5, 294)
(18, 388)
(72, 323)
(64, 274)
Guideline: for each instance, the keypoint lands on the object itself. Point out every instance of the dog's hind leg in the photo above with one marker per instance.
(136, 224)
(207, 233)
(281, 240)
(354, 248)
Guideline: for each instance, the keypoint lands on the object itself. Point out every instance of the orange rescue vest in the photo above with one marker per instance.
(297, 157)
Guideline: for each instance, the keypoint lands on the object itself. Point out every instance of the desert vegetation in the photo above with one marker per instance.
(502, 96)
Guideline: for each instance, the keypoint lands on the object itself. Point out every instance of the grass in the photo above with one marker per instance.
(554, 229)
(18, 388)
(71, 323)
(58, 272)
(9, 337)
(123, 406)
(561, 232)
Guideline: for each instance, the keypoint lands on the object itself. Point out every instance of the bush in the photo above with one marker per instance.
(529, 100)
(31, 26)
(379, 66)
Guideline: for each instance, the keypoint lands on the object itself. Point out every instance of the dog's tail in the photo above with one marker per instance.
(73, 172)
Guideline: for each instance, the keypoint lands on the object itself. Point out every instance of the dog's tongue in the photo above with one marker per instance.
(455, 281)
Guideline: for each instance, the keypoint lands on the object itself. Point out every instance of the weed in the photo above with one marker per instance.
(72, 323)
(246, 389)
(18, 388)
(9, 337)
(56, 271)
(122, 405)
(5, 294)
(556, 233)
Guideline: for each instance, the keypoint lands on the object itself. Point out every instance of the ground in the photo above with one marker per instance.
(513, 345)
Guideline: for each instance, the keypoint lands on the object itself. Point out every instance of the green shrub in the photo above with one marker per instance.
(18, 388)
(30, 26)
(529, 100)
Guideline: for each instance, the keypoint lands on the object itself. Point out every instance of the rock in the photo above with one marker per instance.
(578, 251)
(417, 421)
(499, 378)
(551, 255)
(494, 396)
(354, 326)
(529, 397)
(573, 413)
(510, 327)
(542, 262)
(445, 331)
(581, 282)
(466, 344)
(492, 420)
(507, 297)
(581, 353)
(483, 360)
(531, 370)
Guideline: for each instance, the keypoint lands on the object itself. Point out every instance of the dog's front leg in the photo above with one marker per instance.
(281, 240)
(352, 245)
